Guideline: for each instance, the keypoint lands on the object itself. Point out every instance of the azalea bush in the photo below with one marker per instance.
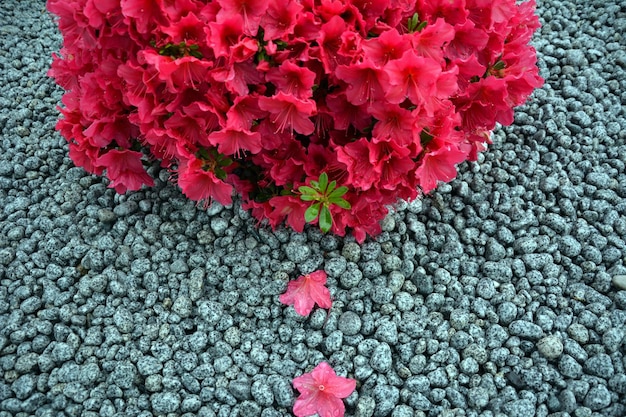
(319, 111)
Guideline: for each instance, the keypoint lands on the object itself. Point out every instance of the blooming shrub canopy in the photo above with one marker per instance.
(262, 97)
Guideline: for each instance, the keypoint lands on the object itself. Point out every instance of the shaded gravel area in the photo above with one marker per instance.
(501, 294)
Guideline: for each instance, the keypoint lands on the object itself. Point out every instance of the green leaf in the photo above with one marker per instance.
(421, 26)
(311, 213)
(331, 187)
(499, 65)
(304, 190)
(323, 183)
(338, 192)
(307, 197)
(326, 219)
(343, 204)
(412, 23)
(220, 173)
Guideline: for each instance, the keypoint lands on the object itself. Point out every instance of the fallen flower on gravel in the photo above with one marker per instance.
(307, 290)
(321, 392)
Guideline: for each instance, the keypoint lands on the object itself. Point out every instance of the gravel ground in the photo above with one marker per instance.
(502, 294)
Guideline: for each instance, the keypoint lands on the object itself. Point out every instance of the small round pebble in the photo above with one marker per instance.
(349, 323)
(551, 347)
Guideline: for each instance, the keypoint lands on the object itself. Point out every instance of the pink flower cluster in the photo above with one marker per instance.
(260, 97)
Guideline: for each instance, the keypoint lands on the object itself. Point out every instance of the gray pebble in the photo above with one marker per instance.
(240, 388)
(404, 301)
(597, 398)
(24, 386)
(190, 404)
(578, 332)
(296, 252)
(569, 367)
(386, 398)
(165, 402)
(478, 397)
(372, 269)
(182, 306)
(219, 225)
(520, 408)
(381, 359)
(149, 365)
(352, 252)
(381, 295)
(283, 392)
(402, 411)
(179, 267)
(494, 251)
(569, 246)
(123, 375)
(507, 312)
(333, 341)
(469, 366)
(613, 339)
(551, 347)
(262, 393)
(619, 281)
(600, 365)
(526, 330)
(486, 289)
(125, 209)
(438, 378)
(123, 319)
(349, 323)
(365, 406)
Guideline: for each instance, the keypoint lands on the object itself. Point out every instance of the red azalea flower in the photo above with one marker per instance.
(244, 112)
(364, 82)
(362, 166)
(175, 9)
(346, 114)
(429, 42)
(388, 46)
(224, 34)
(412, 76)
(279, 20)
(250, 10)
(125, 170)
(284, 163)
(420, 80)
(393, 123)
(74, 25)
(438, 166)
(290, 207)
(99, 11)
(104, 131)
(145, 14)
(292, 79)
(306, 291)
(288, 111)
(199, 183)
(453, 11)
(188, 29)
(330, 43)
(233, 141)
(322, 158)
(321, 392)
(180, 73)
(468, 39)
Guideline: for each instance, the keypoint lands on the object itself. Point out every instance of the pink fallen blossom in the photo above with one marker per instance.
(306, 291)
(321, 392)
